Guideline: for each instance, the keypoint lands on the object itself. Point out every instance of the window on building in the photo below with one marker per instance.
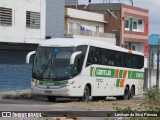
(126, 24)
(134, 25)
(126, 46)
(70, 26)
(97, 28)
(133, 47)
(33, 20)
(5, 16)
(78, 26)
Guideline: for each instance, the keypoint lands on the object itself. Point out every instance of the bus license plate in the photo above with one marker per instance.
(48, 91)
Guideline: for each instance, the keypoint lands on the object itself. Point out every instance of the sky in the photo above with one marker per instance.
(152, 5)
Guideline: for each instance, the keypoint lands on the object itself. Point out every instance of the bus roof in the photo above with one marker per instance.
(73, 42)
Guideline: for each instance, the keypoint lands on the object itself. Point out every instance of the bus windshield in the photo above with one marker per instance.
(52, 63)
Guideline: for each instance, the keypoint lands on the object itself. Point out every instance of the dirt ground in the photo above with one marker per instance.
(110, 103)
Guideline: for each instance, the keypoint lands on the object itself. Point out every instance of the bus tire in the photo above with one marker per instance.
(86, 93)
(98, 98)
(51, 98)
(126, 95)
(132, 92)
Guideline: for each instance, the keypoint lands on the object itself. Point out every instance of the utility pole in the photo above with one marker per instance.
(157, 77)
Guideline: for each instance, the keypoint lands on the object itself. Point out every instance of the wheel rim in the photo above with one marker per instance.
(132, 92)
(126, 94)
(86, 94)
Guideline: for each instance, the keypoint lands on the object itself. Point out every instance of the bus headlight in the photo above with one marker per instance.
(70, 83)
(34, 82)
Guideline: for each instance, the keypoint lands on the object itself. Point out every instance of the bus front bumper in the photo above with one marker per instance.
(60, 92)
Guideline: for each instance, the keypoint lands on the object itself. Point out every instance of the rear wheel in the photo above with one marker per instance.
(126, 93)
(125, 96)
(132, 92)
(51, 98)
(86, 93)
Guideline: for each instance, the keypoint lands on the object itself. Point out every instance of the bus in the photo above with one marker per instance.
(82, 68)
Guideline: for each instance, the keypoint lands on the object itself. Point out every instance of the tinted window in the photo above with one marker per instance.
(114, 58)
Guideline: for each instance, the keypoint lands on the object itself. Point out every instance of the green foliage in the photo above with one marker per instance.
(151, 104)
(154, 95)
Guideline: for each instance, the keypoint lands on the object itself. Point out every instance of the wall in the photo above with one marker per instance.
(103, 39)
(138, 13)
(71, 2)
(86, 24)
(55, 18)
(18, 32)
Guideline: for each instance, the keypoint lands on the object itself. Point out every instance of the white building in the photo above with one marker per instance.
(23, 24)
(84, 24)
(21, 21)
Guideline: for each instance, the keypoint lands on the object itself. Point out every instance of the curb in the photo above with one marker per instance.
(17, 94)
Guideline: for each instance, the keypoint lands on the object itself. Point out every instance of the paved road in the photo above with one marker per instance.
(42, 104)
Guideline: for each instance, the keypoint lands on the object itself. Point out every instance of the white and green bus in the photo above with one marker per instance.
(81, 68)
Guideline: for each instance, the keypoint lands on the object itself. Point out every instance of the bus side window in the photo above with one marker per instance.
(129, 61)
(111, 58)
(97, 57)
(104, 58)
(91, 57)
(134, 61)
(140, 60)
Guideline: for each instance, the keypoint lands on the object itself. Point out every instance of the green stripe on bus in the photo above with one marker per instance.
(109, 73)
(121, 74)
(135, 75)
(56, 83)
(117, 82)
(102, 72)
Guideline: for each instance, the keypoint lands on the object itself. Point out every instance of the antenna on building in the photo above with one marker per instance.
(131, 2)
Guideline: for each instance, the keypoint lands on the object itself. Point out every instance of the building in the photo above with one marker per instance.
(71, 2)
(54, 18)
(84, 24)
(128, 22)
(23, 24)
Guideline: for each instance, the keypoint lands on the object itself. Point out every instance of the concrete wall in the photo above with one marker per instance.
(55, 18)
(89, 25)
(18, 32)
(103, 39)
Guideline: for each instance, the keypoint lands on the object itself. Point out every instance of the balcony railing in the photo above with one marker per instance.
(70, 33)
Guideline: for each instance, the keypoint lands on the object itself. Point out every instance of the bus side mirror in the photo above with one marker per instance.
(29, 55)
(73, 56)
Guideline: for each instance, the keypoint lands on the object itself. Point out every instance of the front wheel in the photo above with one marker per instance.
(51, 98)
(86, 93)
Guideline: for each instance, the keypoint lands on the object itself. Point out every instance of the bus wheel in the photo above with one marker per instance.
(98, 98)
(51, 98)
(125, 96)
(131, 92)
(126, 93)
(85, 97)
